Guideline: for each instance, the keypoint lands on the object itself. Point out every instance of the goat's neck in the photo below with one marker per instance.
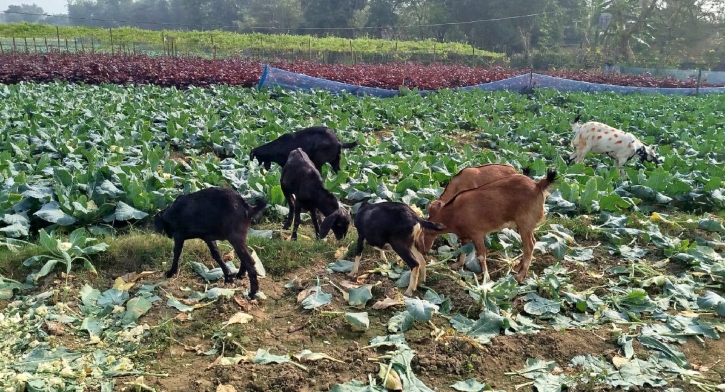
(328, 204)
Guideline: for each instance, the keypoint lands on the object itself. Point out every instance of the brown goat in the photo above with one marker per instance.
(469, 178)
(512, 201)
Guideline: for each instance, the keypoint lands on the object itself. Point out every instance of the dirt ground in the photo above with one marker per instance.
(282, 326)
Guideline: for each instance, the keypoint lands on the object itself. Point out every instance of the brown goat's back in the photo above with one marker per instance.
(473, 177)
(506, 202)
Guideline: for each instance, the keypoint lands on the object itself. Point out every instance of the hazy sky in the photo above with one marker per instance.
(49, 6)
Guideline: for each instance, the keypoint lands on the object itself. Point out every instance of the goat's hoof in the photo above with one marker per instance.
(352, 274)
(170, 274)
(241, 276)
(520, 277)
(408, 293)
(229, 279)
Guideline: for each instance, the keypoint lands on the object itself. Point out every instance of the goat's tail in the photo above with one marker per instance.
(423, 227)
(349, 145)
(526, 171)
(545, 182)
(431, 226)
(256, 211)
(577, 118)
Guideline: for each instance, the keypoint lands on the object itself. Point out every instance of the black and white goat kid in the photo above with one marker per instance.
(397, 225)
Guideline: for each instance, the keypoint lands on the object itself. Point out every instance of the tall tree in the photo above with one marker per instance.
(383, 17)
(272, 16)
(330, 16)
(629, 17)
(30, 13)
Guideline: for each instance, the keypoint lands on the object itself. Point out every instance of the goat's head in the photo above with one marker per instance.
(160, 225)
(255, 154)
(338, 222)
(648, 153)
(434, 209)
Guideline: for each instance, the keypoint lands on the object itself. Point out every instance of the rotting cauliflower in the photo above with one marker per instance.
(124, 365)
(64, 246)
(416, 210)
(41, 311)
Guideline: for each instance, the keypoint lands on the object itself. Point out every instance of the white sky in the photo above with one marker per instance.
(49, 6)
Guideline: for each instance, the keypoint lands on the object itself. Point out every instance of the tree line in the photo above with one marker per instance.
(687, 29)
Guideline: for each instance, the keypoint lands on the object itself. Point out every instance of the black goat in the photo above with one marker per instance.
(397, 225)
(212, 214)
(303, 188)
(320, 143)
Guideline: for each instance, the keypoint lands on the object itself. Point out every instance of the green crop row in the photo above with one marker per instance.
(232, 42)
(77, 155)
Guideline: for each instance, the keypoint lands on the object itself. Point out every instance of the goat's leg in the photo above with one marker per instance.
(218, 257)
(581, 154)
(291, 203)
(528, 241)
(421, 260)
(405, 251)
(178, 245)
(315, 222)
(239, 242)
(620, 162)
(461, 257)
(382, 255)
(358, 254)
(480, 245)
(298, 210)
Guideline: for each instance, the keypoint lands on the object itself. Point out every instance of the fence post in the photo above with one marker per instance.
(82, 48)
(110, 32)
(213, 48)
(46, 45)
(35, 45)
(67, 49)
(699, 79)
(75, 44)
(93, 48)
(2, 51)
(352, 53)
(309, 48)
(57, 36)
(26, 44)
(134, 48)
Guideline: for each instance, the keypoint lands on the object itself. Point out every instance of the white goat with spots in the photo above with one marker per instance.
(603, 139)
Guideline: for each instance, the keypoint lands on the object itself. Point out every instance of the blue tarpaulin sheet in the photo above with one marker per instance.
(293, 81)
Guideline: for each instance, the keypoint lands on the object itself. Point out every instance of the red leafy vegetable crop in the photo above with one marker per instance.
(182, 72)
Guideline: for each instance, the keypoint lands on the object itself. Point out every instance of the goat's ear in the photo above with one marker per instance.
(329, 221)
(327, 224)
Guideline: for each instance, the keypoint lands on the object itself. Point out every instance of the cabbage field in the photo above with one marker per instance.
(625, 288)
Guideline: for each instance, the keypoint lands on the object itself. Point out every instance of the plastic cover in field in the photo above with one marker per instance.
(293, 81)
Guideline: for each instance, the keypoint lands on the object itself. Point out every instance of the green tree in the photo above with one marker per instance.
(272, 16)
(30, 13)
(383, 17)
(331, 17)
